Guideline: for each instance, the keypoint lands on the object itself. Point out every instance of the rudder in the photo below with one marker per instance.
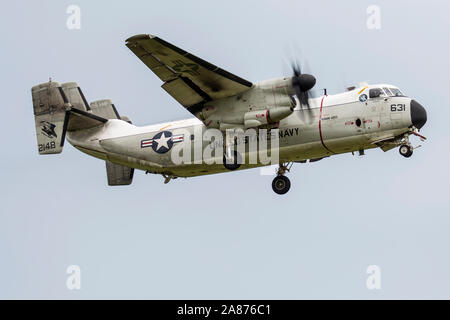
(49, 104)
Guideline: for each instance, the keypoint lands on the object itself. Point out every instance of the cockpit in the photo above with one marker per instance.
(385, 92)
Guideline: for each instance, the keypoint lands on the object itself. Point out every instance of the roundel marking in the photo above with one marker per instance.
(162, 142)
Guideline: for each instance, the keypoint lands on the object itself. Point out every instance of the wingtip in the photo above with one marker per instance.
(140, 37)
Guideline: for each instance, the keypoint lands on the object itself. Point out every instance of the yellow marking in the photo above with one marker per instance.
(165, 127)
(363, 89)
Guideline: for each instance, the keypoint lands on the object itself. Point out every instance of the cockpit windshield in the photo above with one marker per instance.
(388, 92)
(396, 92)
(393, 92)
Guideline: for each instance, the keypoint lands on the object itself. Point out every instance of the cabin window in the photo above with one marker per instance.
(376, 93)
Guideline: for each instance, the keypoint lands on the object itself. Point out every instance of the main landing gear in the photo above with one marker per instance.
(281, 184)
(232, 160)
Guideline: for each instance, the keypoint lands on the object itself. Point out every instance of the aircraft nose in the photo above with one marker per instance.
(418, 114)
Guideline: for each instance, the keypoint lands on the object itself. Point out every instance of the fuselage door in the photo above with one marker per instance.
(378, 106)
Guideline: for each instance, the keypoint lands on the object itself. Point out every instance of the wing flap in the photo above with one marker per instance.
(184, 92)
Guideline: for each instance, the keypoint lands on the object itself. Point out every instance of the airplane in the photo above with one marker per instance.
(303, 128)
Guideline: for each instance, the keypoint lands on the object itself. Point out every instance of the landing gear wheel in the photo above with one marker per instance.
(234, 162)
(405, 150)
(281, 184)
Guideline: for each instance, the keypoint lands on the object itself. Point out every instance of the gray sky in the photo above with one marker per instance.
(228, 235)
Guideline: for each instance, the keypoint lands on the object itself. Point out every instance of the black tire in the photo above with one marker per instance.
(405, 150)
(235, 163)
(281, 184)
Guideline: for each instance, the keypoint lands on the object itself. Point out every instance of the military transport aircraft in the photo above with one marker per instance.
(307, 129)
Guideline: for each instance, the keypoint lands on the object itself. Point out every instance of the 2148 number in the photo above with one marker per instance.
(47, 146)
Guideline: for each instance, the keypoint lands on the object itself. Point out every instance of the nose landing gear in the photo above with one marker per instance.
(406, 150)
(281, 184)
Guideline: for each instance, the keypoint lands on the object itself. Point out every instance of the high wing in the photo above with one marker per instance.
(187, 78)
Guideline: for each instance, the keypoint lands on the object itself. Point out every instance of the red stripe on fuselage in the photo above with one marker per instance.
(320, 126)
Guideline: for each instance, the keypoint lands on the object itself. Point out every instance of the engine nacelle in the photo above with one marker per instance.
(261, 117)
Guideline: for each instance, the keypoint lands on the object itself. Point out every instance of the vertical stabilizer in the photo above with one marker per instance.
(49, 104)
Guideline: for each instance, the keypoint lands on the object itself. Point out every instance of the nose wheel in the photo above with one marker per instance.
(281, 184)
(405, 150)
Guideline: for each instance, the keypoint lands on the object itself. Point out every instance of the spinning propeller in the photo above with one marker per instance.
(302, 83)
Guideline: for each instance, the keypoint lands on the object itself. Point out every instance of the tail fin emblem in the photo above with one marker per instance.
(49, 129)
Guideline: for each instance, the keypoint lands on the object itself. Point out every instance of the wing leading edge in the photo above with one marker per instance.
(188, 79)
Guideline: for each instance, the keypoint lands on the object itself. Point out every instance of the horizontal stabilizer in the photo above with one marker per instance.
(80, 120)
(105, 109)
